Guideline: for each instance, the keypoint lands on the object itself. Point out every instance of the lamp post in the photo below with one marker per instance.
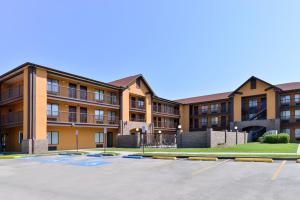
(178, 133)
(76, 134)
(160, 138)
(236, 134)
(143, 133)
(105, 140)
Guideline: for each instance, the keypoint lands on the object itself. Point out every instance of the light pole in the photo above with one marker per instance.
(236, 134)
(178, 133)
(160, 138)
(143, 133)
(76, 134)
(105, 140)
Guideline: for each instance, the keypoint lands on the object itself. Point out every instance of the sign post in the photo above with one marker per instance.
(105, 140)
(76, 133)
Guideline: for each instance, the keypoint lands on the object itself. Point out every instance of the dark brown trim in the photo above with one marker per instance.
(159, 99)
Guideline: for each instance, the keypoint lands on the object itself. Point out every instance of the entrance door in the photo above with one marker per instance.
(110, 139)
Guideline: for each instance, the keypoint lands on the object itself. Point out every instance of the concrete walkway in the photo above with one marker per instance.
(298, 151)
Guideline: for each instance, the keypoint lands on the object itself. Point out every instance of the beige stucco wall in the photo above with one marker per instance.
(184, 117)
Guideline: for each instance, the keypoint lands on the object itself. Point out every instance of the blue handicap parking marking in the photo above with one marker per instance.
(91, 163)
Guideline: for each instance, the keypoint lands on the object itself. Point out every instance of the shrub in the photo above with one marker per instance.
(260, 139)
(272, 139)
(283, 138)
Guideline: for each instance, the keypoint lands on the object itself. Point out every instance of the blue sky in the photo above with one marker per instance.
(183, 48)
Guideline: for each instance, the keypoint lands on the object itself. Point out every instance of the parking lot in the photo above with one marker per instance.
(82, 177)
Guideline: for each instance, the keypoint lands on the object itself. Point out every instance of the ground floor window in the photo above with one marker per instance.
(52, 137)
(99, 138)
(20, 137)
(286, 130)
(297, 133)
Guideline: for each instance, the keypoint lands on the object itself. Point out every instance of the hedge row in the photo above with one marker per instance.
(275, 138)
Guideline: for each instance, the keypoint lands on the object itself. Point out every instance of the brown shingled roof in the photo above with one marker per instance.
(124, 82)
(199, 99)
(289, 86)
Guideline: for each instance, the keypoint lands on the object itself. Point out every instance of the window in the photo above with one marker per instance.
(285, 99)
(297, 133)
(83, 115)
(204, 108)
(99, 95)
(99, 115)
(111, 116)
(297, 114)
(20, 138)
(253, 84)
(52, 110)
(214, 107)
(286, 130)
(99, 138)
(52, 85)
(285, 115)
(83, 92)
(52, 137)
(252, 103)
(214, 120)
(204, 121)
(297, 98)
(113, 98)
(141, 103)
(72, 90)
(138, 82)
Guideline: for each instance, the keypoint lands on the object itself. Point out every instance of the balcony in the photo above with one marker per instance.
(135, 119)
(137, 105)
(169, 125)
(164, 110)
(12, 119)
(83, 95)
(11, 94)
(79, 118)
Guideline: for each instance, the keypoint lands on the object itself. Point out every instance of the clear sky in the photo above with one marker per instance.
(183, 48)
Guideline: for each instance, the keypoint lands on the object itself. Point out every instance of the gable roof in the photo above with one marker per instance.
(289, 86)
(127, 81)
(252, 77)
(206, 98)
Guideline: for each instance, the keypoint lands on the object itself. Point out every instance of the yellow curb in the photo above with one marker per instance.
(9, 157)
(203, 158)
(165, 157)
(298, 161)
(269, 160)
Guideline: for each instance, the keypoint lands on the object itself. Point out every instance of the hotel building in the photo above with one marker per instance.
(44, 109)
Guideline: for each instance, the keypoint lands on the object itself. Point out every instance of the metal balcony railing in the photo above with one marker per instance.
(67, 117)
(12, 93)
(12, 119)
(78, 94)
(159, 124)
(137, 105)
(167, 110)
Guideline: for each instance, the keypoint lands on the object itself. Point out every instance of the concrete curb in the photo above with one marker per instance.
(268, 160)
(203, 158)
(165, 157)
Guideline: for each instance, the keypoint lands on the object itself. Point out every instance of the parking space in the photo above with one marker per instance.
(82, 177)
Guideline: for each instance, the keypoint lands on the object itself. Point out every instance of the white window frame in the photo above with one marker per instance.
(50, 134)
(50, 111)
(52, 85)
(99, 138)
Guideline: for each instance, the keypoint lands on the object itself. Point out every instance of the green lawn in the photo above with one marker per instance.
(243, 148)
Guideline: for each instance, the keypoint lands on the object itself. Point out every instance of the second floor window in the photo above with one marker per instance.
(297, 98)
(297, 114)
(141, 103)
(252, 103)
(52, 110)
(113, 98)
(204, 121)
(285, 115)
(52, 85)
(111, 116)
(285, 99)
(99, 95)
(99, 115)
(214, 120)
